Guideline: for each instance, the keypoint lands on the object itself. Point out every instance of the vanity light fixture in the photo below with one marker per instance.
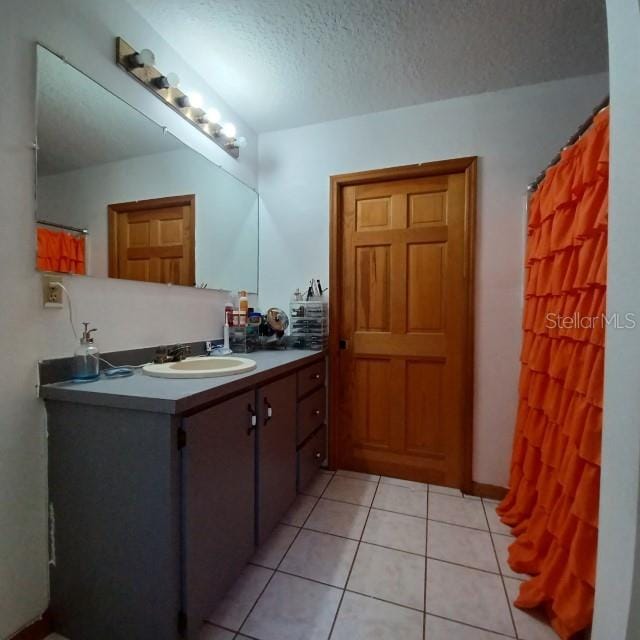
(189, 104)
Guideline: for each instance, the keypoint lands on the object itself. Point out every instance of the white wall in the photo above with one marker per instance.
(617, 612)
(128, 314)
(514, 133)
(226, 210)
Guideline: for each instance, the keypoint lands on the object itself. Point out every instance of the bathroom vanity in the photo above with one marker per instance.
(160, 489)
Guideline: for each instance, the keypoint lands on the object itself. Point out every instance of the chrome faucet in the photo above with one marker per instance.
(172, 354)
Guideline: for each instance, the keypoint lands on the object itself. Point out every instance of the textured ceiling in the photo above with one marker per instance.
(283, 63)
(81, 124)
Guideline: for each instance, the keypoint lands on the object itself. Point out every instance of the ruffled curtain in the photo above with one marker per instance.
(552, 503)
(60, 251)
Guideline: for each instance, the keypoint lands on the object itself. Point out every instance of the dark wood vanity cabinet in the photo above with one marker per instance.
(218, 495)
(276, 453)
(154, 515)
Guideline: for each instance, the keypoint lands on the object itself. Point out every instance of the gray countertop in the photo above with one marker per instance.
(168, 395)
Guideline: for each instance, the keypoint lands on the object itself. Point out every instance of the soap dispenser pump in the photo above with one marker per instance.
(86, 359)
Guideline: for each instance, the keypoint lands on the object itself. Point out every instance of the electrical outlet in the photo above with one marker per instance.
(52, 296)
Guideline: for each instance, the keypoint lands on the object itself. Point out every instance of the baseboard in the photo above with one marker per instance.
(37, 630)
(490, 491)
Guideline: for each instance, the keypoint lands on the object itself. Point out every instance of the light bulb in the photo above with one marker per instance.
(229, 129)
(195, 99)
(147, 57)
(241, 142)
(212, 116)
(173, 79)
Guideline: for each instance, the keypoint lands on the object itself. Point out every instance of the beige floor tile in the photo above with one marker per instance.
(502, 550)
(292, 608)
(339, 518)
(396, 530)
(467, 595)
(462, 545)
(407, 484)
(211, 632)
(411, 502)
(388, 574)
(320, 556)
(495, 523)
(272, 551)
(234, 607)
(318, 484)
(299, 511)
(441, 629)
(460, 511)
(531, 624)
(447, 491)
(364, 618)
(358, 475)
(350, 490)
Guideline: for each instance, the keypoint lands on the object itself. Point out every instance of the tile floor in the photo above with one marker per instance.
(359, 557)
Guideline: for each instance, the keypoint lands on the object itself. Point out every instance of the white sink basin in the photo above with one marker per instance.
(209, 367)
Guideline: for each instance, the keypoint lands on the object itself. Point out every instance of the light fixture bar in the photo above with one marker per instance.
(164, 87)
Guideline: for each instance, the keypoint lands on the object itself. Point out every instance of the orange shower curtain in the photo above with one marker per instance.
(552, 503)
(60, 251)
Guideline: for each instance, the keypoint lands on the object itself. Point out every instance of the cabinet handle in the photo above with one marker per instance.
(315, 376)
(268, 411)
(317, 455)
(316, 412)
(254, 419)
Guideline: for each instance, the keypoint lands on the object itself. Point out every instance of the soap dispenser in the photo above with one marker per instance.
(86, 359)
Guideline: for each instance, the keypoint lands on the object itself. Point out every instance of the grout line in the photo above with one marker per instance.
(277, 566)
(353, 562)
(504, 586)
(472, 626)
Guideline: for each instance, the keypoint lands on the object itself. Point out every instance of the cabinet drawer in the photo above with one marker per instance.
(311, 414)
(310, 456)
(311, 377)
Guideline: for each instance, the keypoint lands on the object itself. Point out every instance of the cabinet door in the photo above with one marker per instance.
(218, 502)
(276, 453)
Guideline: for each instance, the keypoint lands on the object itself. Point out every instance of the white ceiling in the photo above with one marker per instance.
(284, 63)
(81, 124)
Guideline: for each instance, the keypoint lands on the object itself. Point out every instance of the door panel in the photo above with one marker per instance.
(219, 503)
(153, 240)
(276, 453)
(403, 312)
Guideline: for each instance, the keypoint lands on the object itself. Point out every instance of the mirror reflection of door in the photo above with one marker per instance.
(153, 240)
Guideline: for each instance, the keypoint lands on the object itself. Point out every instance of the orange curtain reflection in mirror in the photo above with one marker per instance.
(60, 251)
(552, 504)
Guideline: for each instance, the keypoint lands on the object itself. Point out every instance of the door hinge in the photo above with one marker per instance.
(182, 438)
(182, 623)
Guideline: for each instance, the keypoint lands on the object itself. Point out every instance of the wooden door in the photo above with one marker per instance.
(276, 453)
(153, 240)
(401, 322)
(218, 484)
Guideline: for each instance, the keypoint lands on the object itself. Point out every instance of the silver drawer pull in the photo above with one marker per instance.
(317, 455)
(316, 412)
(316, 376)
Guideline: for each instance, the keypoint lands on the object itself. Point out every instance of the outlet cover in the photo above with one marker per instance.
(52, 297)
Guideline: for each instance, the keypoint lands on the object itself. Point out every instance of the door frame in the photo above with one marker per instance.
(114, 210)
(466, 165)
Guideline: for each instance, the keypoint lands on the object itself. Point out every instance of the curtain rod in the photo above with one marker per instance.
(84, 232)
(572, 140)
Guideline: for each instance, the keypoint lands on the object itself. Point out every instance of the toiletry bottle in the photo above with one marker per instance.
(86, 359)
(228, 313)
(243, 304)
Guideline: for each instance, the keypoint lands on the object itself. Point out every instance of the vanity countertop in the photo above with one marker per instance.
(169, 395)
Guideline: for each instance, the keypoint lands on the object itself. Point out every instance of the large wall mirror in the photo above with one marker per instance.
(118, 196)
